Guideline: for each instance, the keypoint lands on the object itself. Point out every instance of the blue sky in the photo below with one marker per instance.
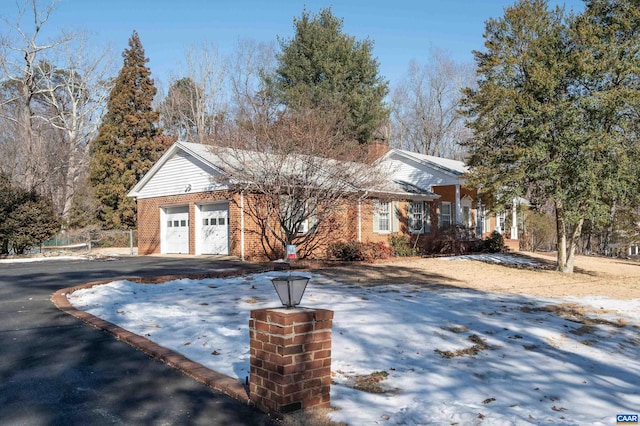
(402, 30)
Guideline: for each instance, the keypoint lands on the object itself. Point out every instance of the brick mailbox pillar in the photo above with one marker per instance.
(290, 358)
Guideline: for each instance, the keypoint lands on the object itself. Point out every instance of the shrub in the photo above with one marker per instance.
(355, 251)
(373, 251)
(494, 243)
(347, 251)
(401, 245)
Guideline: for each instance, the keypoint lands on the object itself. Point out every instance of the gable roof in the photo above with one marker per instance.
(195, 150)
(211, 157)
(449, 166)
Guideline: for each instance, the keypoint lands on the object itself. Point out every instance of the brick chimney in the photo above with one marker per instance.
(376, 149)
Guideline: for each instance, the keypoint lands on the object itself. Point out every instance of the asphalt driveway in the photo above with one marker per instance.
(56, 370)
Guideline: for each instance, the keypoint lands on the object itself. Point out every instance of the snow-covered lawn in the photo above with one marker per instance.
(499, 258)
(40, 259)
(453, 356)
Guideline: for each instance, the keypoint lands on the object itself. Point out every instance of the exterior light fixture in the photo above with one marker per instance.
(290, 288)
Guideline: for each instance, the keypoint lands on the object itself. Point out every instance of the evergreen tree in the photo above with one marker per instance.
(129, 140)
(555, 110)
(323, 68)
(26, 218)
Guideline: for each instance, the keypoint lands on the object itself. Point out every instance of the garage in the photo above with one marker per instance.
(213, 229)
(176, 236)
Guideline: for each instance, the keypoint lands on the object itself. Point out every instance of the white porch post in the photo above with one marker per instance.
(514, 220)
(480, 218)
(458, 206)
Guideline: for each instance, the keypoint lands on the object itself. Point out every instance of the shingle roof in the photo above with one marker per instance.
(445, 164)
(239, 159)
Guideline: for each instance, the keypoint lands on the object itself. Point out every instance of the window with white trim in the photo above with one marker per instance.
(294, 211)
(445, 215)
(381, 216)
(419, 217)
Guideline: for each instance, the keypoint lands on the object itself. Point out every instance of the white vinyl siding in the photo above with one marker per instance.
(424, 176)
(419, 217)
(181, 174)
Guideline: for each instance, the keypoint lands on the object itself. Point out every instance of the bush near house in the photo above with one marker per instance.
(401, 245)
(349, 251)
(494, 243)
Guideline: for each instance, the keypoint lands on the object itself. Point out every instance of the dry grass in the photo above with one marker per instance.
(311, 417)
(614, 278)
(578, 314)
(474, 350)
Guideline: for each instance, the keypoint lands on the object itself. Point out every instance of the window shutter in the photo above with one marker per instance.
(395, 225)
(376, 216)
(427, 216)
(410, 222)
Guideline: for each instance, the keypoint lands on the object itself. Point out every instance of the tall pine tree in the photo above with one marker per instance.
(323, 68)
(129, 140)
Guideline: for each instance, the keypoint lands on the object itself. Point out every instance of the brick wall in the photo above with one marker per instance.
(149, 218)
(342, 225)
(290, 358)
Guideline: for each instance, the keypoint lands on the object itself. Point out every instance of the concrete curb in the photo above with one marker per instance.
(221, 382)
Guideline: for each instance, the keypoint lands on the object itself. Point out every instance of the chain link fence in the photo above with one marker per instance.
(88, 239)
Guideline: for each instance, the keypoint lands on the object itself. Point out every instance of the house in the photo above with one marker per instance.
(186, 206)
(457, 204)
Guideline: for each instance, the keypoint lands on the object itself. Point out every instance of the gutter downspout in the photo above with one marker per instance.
(242, 226)
(360, 215)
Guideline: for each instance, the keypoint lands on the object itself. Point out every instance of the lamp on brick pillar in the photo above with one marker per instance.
(290, 352)
(290, 288)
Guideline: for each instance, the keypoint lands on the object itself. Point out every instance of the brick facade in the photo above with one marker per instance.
(149, 238)
(290, 358)
(342, 224)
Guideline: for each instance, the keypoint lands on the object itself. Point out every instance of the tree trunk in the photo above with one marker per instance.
(562, 237)
(573, 242)
(609, 230)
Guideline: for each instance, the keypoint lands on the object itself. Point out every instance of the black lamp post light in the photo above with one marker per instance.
(290, 288)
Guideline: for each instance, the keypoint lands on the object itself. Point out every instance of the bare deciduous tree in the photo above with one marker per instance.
(74, 96)
(425, 106)
(51, 99)
(194, 108)
(297, 167)
(21, 52)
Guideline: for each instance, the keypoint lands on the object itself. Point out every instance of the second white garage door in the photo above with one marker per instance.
(214, 228)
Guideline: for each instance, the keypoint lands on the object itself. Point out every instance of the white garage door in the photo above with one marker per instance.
(214, 228)
(177, 229)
